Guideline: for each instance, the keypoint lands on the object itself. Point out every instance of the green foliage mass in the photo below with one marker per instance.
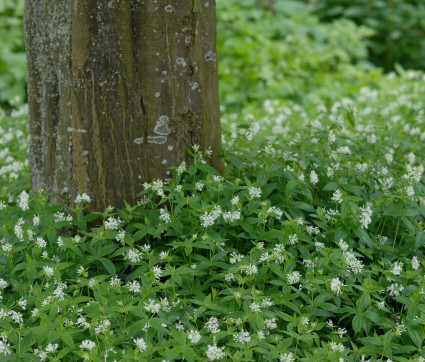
(12, 52)
(310, 246)
(282, 51)
(399, 27)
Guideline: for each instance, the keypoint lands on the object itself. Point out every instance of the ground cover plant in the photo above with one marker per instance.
(309, 247)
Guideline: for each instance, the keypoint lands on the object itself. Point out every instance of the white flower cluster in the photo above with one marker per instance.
(242, 337)
(336, 286)
(214, 352)
(232, 216)
(254, 192)
(23, 200)
(164, 216)
(112, 223)
(366, 217)
(209, 218)
(251, 131)
(80, 198)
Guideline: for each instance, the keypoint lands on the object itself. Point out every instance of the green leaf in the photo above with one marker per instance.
(414, 336)
(136, 328)
(357, 323)
(109, 266)
(68, 340)
(26, 343)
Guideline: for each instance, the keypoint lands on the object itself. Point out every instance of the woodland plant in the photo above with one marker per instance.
(309, 247)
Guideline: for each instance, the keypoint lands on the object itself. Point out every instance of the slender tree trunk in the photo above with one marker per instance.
(118, 89)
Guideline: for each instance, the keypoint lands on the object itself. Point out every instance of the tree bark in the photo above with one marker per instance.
(118, 89)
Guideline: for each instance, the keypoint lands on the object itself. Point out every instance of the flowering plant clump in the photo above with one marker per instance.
(312, 251)
(309, 247)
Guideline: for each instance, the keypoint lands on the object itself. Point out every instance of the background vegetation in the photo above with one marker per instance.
(309, 247)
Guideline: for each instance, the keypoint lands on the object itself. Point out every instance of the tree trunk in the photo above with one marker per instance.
(118, 89)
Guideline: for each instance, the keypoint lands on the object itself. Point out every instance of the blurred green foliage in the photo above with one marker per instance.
(279, 49)
(12, 51)
(399, 27)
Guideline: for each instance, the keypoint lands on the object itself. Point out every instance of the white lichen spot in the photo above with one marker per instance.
(194, 86)
(139, 177)
(164, 162)
(159, 140)
(181, 61)
(138, 141)
(207, 4)
(168, 8)
(188, 39)
(170, 148)
(161, 127)
(164, 72)
(157, 94)
(210, 56)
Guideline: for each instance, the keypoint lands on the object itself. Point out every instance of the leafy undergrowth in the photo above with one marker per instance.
(309, 247)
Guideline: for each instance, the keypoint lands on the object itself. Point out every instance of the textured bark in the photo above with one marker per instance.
(118, 89)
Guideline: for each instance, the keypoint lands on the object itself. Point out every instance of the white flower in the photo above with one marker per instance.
(341, 332)
(182, 168)
(254, 192)
(255, 307)
(87, 344)
(23, 199)
(134, 286)
(214, 352)
(331, 137)
(112, 223)
(251, 131)
(213, 325)
(199, 186)
(41, 243)
(164, 216)
(336, 285)
(286, 357)
(229, 277)
(48, 271)
(3, 284)
(337, 347)
(84, 197)
(134, 255)
(313, 177)
(115, 282)
(415, 263)
(242, 337)
(343, 245)
(207, 219)
(249, 269)
(270, 323)
(337, 196)
(141, 344)
(395, 289)
(381, 305)
(51, 347)
(266, 302)
(344, 150)
(152, 306)
(366, 217)
(293, 239)
(120, 236)
(293, 277)
(409, 190)
(22, 303)
(36, 220)
(397, 268)
(194, 336)
(157, 271)
(102, 326)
